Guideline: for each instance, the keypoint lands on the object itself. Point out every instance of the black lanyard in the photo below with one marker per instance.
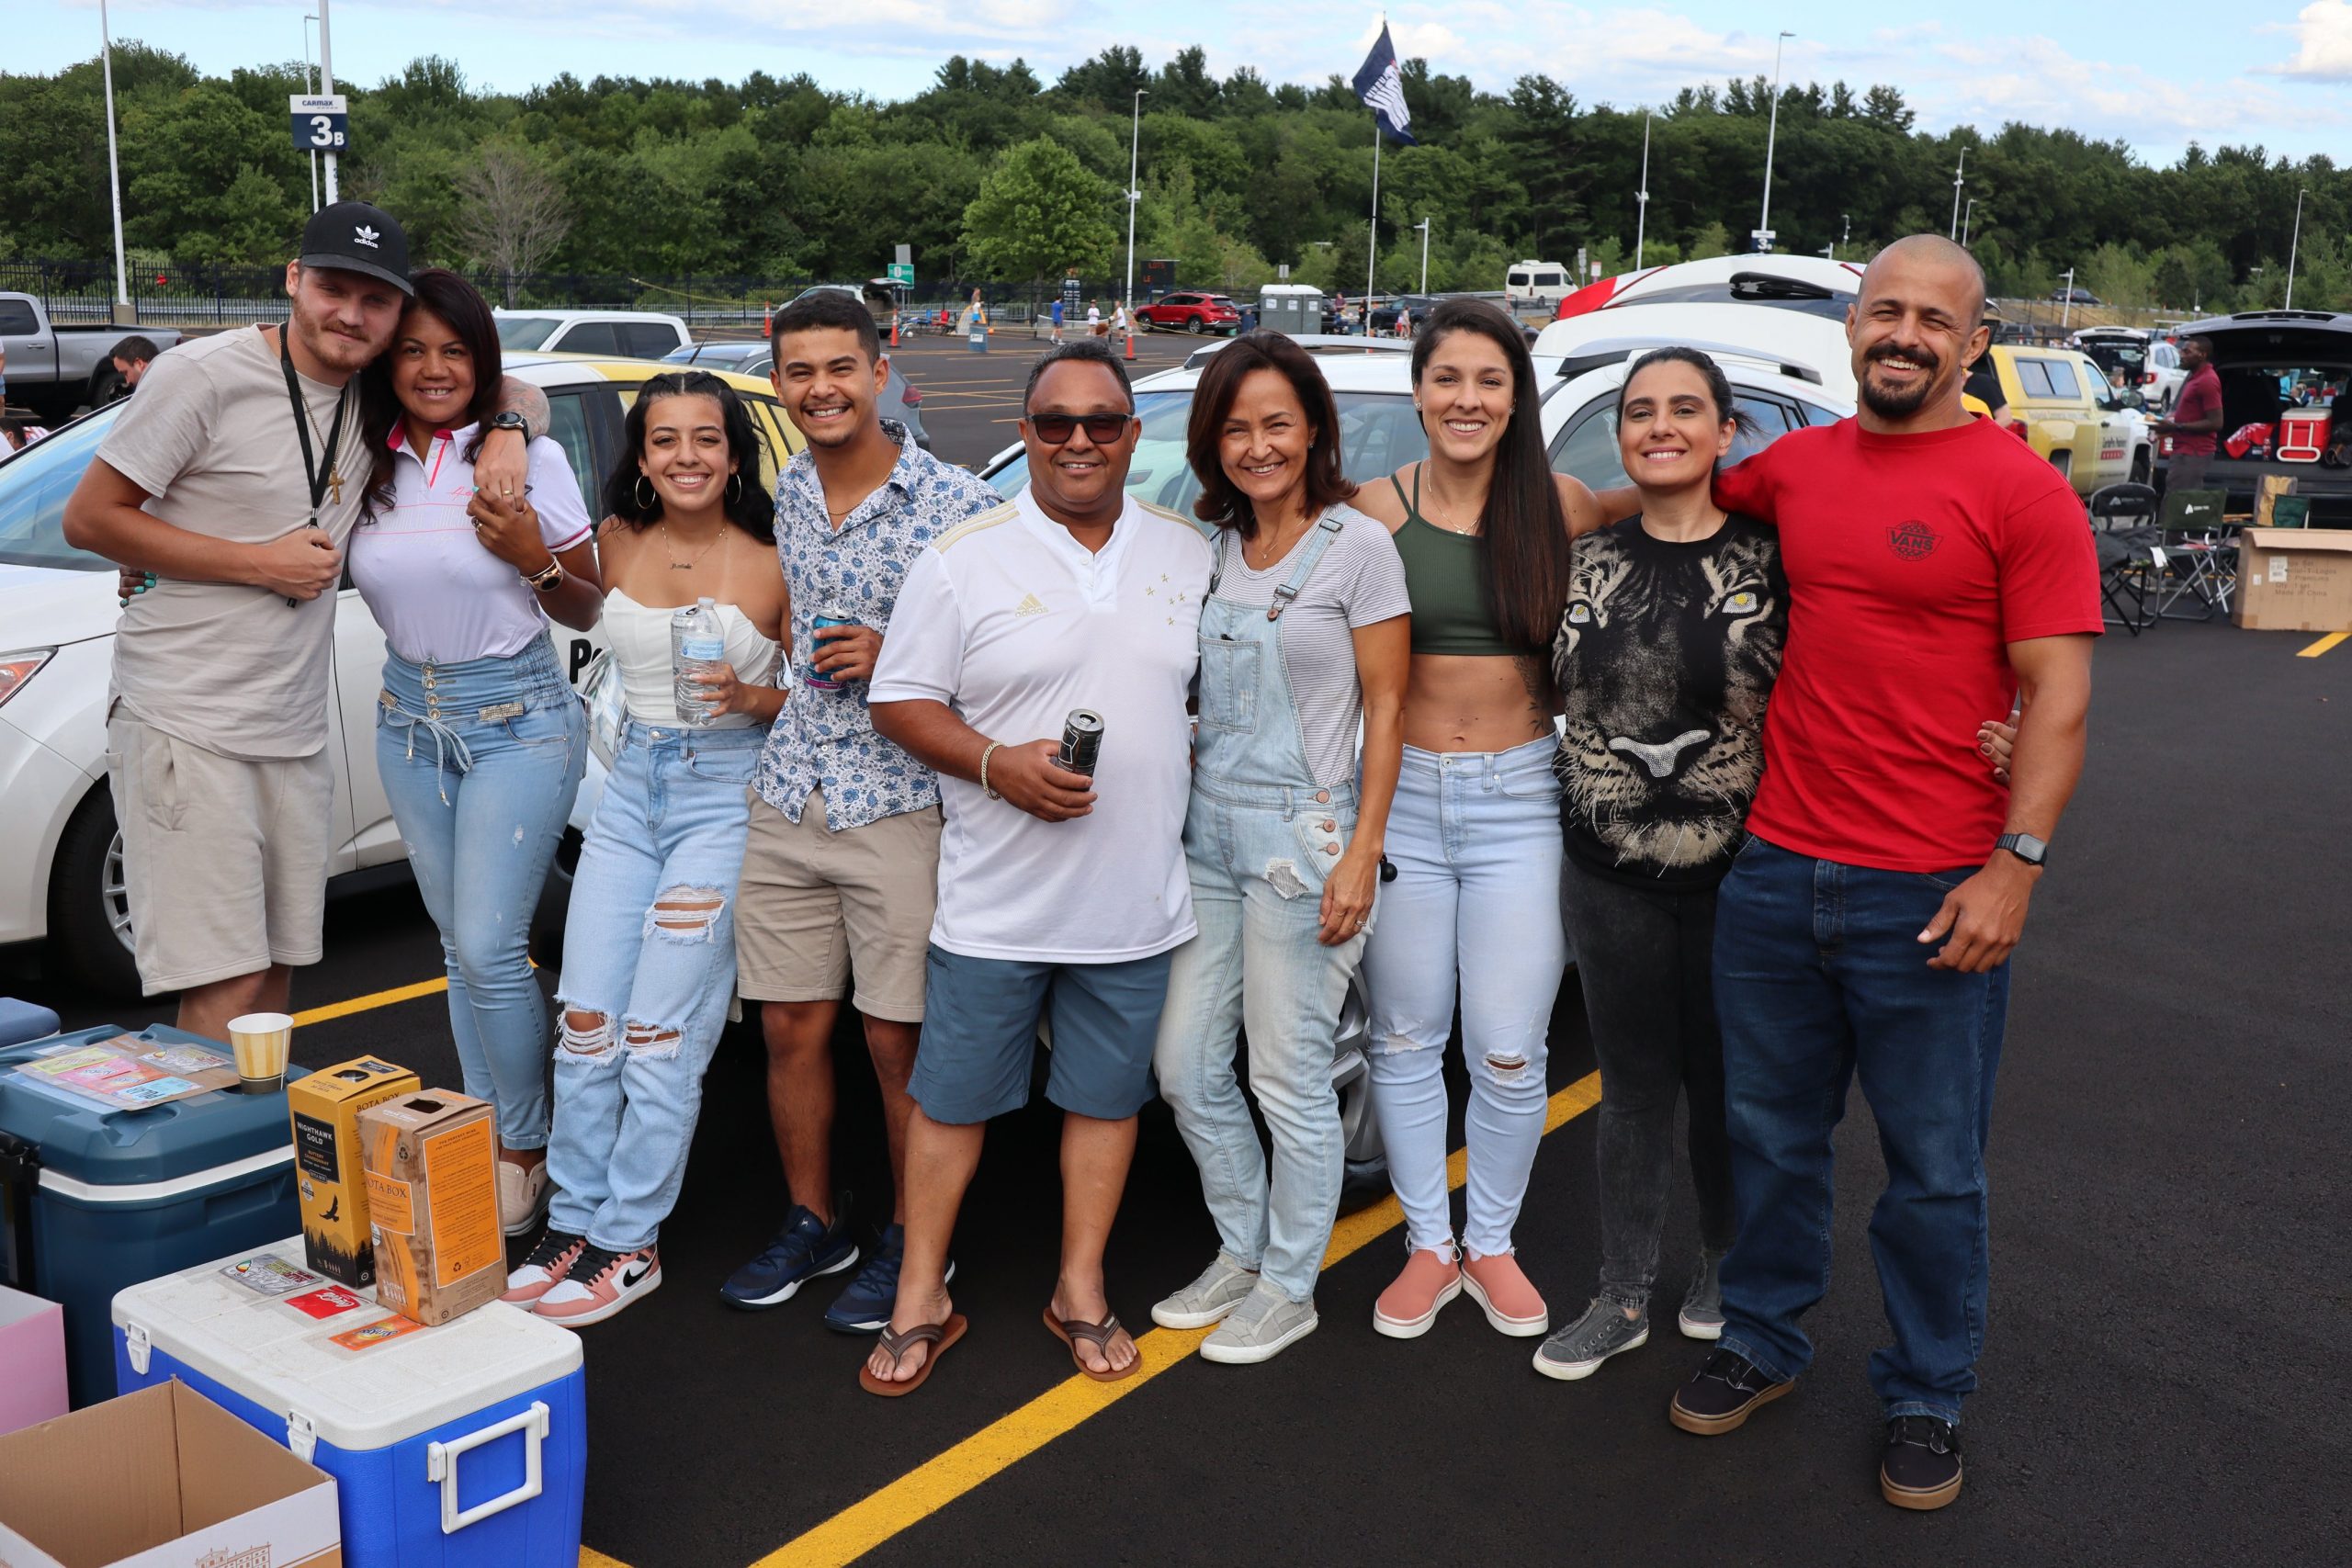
(317, 476)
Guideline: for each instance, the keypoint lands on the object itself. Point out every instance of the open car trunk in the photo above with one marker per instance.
(2273, 363)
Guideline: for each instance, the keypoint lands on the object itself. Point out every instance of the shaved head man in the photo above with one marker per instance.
(1914, 331)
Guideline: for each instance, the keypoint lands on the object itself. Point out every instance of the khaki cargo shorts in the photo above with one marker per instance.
(225, 861)
(815, 904)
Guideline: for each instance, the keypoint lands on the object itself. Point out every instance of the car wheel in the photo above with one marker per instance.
(1365, 1179)
(107, 388)
(1143, 324)
(1193, 326)
(555, 903)
(89, 909)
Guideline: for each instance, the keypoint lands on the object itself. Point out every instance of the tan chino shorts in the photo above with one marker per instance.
(224, 860)
(815, 904)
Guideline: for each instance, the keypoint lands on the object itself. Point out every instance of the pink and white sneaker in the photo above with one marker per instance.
(543, 1269)
(1512, 1303)
(1410, 1303)
(599, 1284)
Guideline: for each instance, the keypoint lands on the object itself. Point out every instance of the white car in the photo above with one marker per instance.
(2147, 361)
(60, 858)
(1815, 285)
(636, 335)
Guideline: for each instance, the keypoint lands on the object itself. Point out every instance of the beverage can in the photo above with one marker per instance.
(1082, 742)
(822, 617)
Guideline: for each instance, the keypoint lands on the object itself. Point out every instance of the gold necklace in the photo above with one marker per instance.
(1273, 557)
(677, 565)
(335, 464)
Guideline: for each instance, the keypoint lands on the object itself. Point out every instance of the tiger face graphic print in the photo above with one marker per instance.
(1666, 657)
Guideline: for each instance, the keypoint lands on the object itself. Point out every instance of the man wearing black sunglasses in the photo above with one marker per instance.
(1055, 889)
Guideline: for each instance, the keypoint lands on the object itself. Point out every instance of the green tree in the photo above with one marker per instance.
(1038, 213)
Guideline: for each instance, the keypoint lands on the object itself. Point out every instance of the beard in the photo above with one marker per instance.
(1896, 402)
(336, 350)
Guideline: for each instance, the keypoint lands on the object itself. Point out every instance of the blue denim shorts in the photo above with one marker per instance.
(979, 1036)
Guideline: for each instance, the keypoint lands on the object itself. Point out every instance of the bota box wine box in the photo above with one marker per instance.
(433, 1204)
(329, 1173)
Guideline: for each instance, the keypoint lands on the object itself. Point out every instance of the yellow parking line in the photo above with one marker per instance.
(372, 1001)
(938, 1481)
(592, 1558)
(2323, 645)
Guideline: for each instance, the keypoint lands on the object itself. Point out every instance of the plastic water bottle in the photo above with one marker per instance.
(698, 645)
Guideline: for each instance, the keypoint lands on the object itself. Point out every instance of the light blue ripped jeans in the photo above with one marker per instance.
(650, 949)
(1476, 840)
(480, 760)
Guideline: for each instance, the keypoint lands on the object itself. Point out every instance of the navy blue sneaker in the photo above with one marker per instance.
(804, 1249)
(866, 1306)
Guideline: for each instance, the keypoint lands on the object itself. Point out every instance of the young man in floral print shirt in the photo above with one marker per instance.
(839, 872)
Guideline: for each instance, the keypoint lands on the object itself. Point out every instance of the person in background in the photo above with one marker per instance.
(1057, 335)
(132, 357)
(1120, 326)
(479, 741)
(841, 867)
(1984, 384)
(1303, 635)
(1483, 527)
(1061, 893)
(2194, 423)
(226, 491)
(648, 946)
(1094, 324)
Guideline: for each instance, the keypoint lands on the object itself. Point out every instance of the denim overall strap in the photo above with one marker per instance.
(1249, 754)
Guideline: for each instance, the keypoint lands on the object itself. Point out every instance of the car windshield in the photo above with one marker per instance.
(2118, 353)
(34, 487)
(525, 331)
(1379, 433)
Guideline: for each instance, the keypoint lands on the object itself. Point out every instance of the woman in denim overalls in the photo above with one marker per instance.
(1282, 841)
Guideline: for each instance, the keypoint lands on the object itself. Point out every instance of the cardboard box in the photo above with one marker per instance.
(331, 1175)
(2294, 579)
(433, 1204)
(33, 1361)
(163, 1478)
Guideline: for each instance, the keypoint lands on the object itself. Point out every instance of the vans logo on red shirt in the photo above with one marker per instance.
(1912, 541)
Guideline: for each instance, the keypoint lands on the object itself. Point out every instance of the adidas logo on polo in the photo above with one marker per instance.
(1030, 606)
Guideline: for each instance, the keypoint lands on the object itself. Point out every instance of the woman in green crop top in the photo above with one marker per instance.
(1484, 528)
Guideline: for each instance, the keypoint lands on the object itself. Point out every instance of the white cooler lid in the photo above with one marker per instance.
(370, 1397)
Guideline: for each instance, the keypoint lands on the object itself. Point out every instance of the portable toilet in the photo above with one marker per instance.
(1293, 308)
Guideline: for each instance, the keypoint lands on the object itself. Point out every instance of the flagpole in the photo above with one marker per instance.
(1375, 256)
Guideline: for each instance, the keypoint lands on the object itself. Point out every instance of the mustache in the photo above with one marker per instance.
(1919, 357)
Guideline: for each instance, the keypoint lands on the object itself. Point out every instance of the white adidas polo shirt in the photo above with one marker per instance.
(1012, 623)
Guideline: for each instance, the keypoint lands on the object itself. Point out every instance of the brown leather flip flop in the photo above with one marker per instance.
(1070, 1330)
(938, 1336)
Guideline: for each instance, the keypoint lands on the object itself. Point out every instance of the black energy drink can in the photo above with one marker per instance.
(1082, 741)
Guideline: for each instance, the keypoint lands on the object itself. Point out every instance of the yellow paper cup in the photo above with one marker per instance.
(261, 1041)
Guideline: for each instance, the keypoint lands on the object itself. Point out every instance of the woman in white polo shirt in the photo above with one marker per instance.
(479, 740)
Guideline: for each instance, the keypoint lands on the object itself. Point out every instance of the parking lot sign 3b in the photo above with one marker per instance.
(322, 121)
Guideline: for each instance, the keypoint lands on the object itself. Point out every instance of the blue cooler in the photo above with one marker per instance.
(93, 1200)
(452, 1447)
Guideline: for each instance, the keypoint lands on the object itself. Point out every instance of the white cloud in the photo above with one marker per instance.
(2323, 42)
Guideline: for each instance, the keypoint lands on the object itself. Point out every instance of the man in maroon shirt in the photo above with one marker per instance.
(1937, 568)
(2196, 422)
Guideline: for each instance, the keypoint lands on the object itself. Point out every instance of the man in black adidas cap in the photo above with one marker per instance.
(231, 482)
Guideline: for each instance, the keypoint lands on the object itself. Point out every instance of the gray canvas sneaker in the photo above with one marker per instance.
(1701, 1316)
(1204, 1302)
(1578, 1350)
(1262, 1327)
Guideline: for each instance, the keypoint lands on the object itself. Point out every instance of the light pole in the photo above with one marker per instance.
(326, 85)
(1642, 196)
(1771, 136)
(1424, 227)
(2292, 246)
(1134, 194)
(114, 169)
(1959, 178)
(1967, 218)
(307, 19)
(2066, 301)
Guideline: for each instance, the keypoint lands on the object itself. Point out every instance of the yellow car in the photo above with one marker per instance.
(589, 397)
(2059, 400)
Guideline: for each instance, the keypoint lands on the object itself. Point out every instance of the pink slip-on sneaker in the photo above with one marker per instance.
(1408, 1307)
(1512, 1305)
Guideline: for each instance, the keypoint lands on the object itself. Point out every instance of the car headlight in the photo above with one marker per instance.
(18, 668)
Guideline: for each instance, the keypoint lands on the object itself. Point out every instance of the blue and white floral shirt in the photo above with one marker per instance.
(825, 740)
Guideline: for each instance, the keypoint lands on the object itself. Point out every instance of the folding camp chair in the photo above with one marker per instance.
(2132, 557)
(2201, 549)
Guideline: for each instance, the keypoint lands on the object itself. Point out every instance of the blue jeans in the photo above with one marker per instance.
(1476, 906)
(650, 949)
(1256, 854)
(1820, 978)
(480, 760)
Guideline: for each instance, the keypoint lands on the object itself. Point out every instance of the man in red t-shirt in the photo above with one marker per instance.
(2195, 424)
(1937, 567)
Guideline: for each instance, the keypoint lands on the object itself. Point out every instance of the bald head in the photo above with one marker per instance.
(1915, 331)
(1929, 259)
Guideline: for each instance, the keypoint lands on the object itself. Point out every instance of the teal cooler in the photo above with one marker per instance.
(94, 1200)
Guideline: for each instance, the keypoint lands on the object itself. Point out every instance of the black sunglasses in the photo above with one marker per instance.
(1053, 429)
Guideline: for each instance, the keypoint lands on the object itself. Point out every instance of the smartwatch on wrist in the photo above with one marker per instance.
(507, 419)
(2025, 846)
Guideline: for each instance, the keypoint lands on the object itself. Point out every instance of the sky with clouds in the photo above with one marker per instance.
(2157, 74)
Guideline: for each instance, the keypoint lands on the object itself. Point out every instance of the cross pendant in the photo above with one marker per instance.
(335, 484)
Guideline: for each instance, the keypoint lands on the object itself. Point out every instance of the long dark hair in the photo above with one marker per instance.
(1727, 411)
(459, 304)
(747, 504)
(1222, 501)
(1525, 563)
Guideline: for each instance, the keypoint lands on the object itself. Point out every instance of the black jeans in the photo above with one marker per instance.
(1646, 960)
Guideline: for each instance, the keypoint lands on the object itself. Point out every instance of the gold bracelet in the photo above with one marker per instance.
(986, 753)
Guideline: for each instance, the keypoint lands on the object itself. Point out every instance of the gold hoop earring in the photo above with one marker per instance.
(644, 503)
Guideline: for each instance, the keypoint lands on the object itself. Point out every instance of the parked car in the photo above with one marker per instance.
(2271, 364)
(1532, 283)
(2146, 360)
(54, 368)
(60, 860)
(1412, 307)
(1815, 285)
(2074, 297)
(636, 335)
(901, 401)
(2060, 401)
(1190, 311)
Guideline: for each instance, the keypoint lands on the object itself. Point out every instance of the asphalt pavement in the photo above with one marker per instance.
(2162, 1375)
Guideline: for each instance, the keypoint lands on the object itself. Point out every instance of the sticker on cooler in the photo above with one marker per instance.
(266, 1274)
(332, 1300)
(369, 1335)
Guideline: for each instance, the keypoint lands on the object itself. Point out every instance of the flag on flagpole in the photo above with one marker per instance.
(1382, 87)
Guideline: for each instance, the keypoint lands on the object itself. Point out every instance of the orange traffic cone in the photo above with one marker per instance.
(1131, 340)
(894, 329)
(767, 318)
